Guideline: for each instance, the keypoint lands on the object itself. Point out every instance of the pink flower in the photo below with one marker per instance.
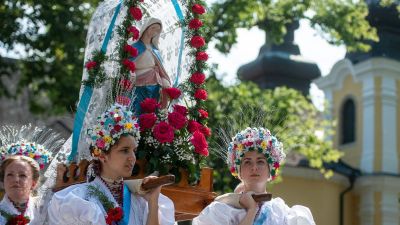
(129, 65)
(126, 84)
(177, 120)
(133, 52)
(136, 13)
(198, 9)
(147, 120)
(149, 105)
(123, 100)
(172, 92)
(201, 94)
(198, 78)
(200, 143)
(90, 65)
(197, 41)
(163, 132)
(195, 24)
(134, 32)
(100, 143)
(202, 56)
(180, 109)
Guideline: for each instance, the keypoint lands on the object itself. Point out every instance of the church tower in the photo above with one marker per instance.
(363, 92)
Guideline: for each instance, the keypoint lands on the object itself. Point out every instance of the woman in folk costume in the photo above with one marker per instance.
(150, 75)
(25, 152)
(106, 199)
(254, 155)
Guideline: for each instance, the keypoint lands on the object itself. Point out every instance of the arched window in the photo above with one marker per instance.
(348, 122)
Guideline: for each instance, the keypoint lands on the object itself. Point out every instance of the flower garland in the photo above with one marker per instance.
(170, 139)
(29, 149)
(15, 219)
(114, 214)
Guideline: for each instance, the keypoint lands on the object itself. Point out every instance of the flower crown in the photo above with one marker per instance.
(113, 123)
(251, 139)
(29, 149)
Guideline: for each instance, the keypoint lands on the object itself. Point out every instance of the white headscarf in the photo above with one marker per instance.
(147, 23)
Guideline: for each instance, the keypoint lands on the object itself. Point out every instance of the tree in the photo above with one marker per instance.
(286, 112)
(338, 21)
(53, 33)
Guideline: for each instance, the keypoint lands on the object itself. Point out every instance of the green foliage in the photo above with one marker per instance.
(286, 112)
(54, 33)
(339, 21)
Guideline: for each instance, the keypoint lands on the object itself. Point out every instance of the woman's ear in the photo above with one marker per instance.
(34, 184)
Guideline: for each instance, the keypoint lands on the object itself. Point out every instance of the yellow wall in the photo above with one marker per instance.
(354, 90)
(321, 196)
(378, 124)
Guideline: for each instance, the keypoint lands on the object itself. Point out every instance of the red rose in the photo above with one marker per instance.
(136, 13)
(126, 84)
(129, 65)
(172, 92)
(201, 94)
(198, 78)
(177, 120)
(123, 100)
(134, 32)
(149, 105)
(147, 120)
(200, 143)
(198, 9)
(197, 41)
(180, 109)
(90, 65)
(201, 56)
(195, 24)
(193, 126)
(206, 131)
(163, 132)
(203, 113)
(276, 165)
(18, 220)
(133, 52)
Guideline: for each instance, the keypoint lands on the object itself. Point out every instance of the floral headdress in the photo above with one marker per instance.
(34, 142)
(255, 139)
(113, 123)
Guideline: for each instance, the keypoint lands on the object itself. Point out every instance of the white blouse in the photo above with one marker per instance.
(7, 206)
(274, 212)
(71, 206)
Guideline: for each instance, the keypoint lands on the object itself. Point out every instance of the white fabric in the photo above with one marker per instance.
(274, 212)
(71, 206)
(145, 62)
(7, 206)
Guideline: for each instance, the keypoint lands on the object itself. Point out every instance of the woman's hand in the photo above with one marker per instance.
(152, 198)
(247, 201)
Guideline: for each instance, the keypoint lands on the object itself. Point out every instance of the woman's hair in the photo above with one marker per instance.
(31, 162)
(96, 164)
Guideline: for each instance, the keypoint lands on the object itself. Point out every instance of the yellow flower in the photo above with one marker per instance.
(264, 145)
(31, 155)
(240, 147)
(128, 126)
(107, 139)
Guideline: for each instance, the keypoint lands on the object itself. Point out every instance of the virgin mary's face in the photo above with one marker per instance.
(153, 30)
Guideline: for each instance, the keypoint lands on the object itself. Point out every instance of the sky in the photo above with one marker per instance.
(312, 47)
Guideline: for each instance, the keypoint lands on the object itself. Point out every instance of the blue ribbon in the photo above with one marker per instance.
(87, 93)
(180, 16)
(126, 206)
(262, 217)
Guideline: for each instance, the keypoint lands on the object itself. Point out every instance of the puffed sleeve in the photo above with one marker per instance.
(296, 215)
(69, 207)
(140, 210)
(221, 214)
